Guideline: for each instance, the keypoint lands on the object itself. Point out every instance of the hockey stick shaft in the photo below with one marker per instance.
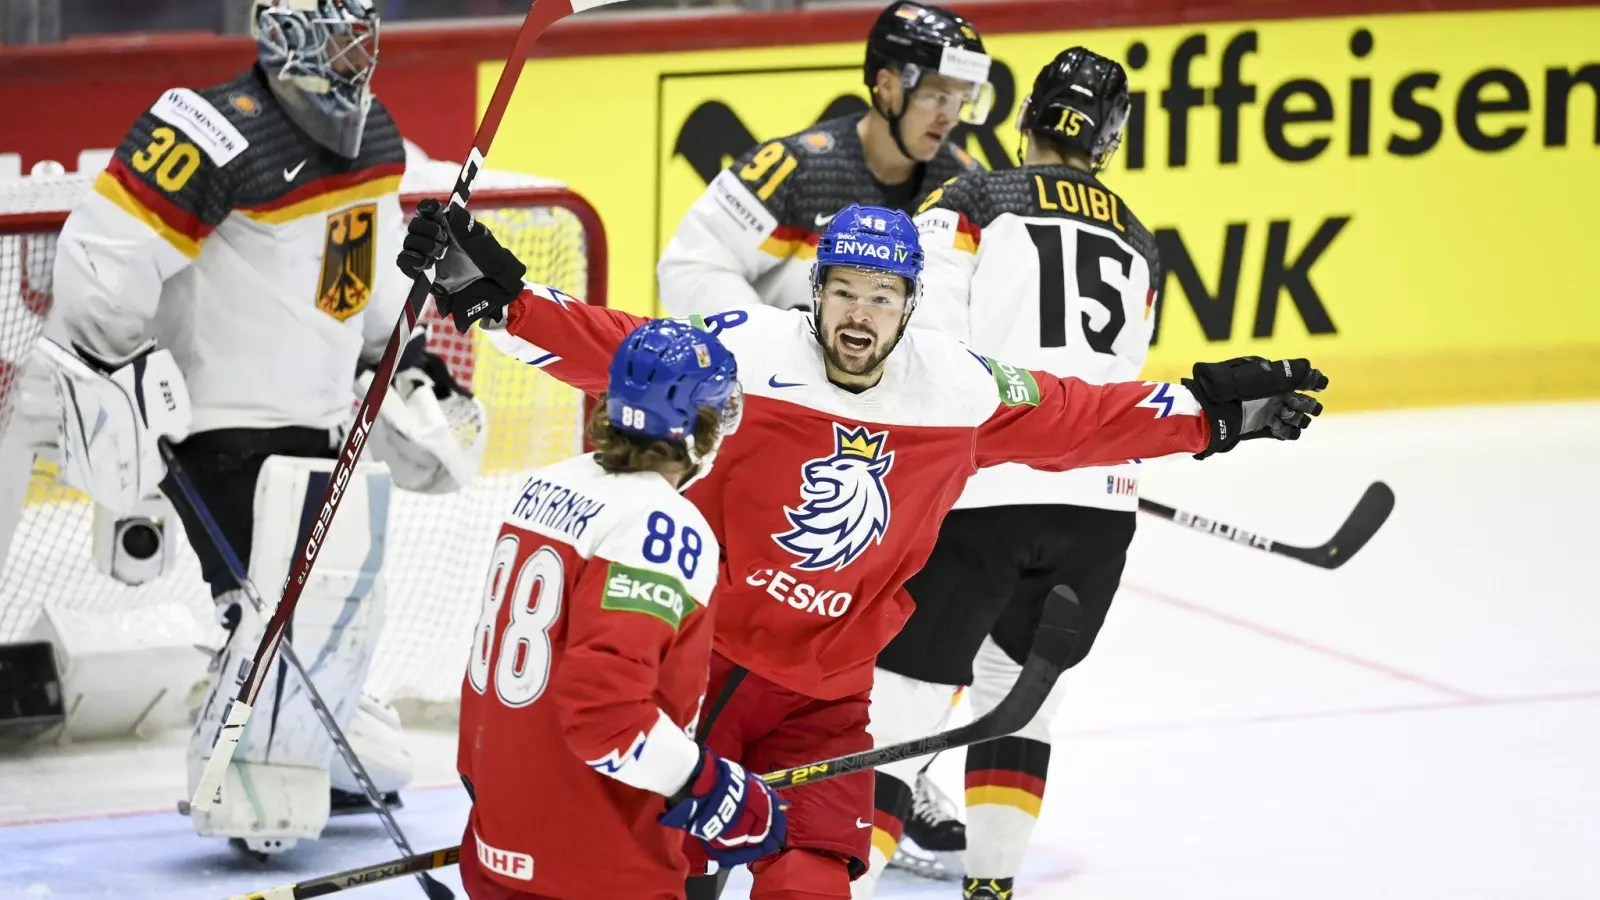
(1369, 514)
(208, 523)
(1052, 649)
(541, 14)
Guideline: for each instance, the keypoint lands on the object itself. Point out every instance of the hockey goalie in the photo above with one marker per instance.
(218, 288)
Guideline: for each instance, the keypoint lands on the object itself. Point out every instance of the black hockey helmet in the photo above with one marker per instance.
(1081, 99)
(915, 39)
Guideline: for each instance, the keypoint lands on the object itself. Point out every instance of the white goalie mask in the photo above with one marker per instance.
(319, 56)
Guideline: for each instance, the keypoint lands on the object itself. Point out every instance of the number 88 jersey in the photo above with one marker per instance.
(584, 680)
(1045, 267)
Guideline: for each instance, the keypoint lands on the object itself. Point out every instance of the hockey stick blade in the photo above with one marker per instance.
(1048, 657)
(1370, 512)
(354, 878)
(1052, 649)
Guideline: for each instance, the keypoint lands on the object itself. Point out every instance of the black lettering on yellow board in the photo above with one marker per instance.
(347, 262)
(1214, 310)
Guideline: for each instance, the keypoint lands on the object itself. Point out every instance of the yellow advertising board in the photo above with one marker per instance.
(1409, 200)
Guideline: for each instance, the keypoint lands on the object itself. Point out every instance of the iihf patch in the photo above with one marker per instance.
(817, 141)
(702, 356)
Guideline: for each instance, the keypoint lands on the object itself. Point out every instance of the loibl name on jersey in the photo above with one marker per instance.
(1075, 198)
(880, 251)
(203, 123)
(1231, 532)
(556, 507)
(786, 588)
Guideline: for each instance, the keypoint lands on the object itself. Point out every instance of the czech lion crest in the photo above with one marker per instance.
(844, 504)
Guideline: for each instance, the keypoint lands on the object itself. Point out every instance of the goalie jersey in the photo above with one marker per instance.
(586, 675)
(1046, 267)
(259, 258)
(751, 238)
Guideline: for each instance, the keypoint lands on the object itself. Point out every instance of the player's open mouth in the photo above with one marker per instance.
(855, 340)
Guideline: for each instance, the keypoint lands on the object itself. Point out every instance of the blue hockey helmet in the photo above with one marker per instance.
(875, 238)
(661, 375)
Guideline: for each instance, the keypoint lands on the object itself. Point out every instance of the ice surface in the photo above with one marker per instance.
(1422, 723)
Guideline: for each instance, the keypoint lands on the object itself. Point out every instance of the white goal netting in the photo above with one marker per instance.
(439, 546)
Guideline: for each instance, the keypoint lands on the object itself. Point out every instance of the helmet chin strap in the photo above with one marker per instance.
(894, 126)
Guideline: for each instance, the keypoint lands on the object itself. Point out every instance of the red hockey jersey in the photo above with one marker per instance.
(825, 501)
(587, 672)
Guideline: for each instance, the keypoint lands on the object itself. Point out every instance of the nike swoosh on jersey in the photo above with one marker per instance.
(289, 174)
(824, 220)
(774, 382)
(861, 824)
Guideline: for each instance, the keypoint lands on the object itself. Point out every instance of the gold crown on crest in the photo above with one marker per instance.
(856, 442)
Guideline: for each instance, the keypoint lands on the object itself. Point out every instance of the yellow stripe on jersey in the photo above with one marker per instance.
(321, 203)
(107, 186)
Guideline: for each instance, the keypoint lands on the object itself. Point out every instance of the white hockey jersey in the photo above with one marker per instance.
(1045, 267)
(751, 238)
(263, 261)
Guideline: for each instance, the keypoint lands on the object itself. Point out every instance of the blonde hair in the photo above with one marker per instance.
(618, 451)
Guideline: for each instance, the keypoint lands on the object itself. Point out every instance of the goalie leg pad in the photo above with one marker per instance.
(334, 632)
(379, 743)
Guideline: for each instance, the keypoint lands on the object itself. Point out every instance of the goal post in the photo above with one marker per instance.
(439, 545)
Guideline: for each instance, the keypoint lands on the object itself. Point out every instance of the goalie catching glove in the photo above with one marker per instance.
(433, 438)
(734, 813)
(474, 277)
(112, 412)
(1250, 397)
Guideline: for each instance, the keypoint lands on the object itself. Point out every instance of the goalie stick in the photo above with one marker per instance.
(541, 15)
(1052, 647)
(1371, 511)
(208, 523)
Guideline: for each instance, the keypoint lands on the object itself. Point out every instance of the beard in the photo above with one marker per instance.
(851, 360)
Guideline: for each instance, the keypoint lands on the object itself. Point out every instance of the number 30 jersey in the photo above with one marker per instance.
(585, 678)
(1045, 267)
(262, 260)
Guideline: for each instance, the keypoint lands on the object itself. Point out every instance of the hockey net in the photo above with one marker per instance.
(439, 545)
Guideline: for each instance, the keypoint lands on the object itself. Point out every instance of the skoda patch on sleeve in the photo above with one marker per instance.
(643, 591)
(1017, 387)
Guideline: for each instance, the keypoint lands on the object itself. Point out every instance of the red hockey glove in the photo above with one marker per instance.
(1249, 397)
(738, 817)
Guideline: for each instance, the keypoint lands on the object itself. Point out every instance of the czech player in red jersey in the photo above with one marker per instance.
(858, 437)
(589, 661)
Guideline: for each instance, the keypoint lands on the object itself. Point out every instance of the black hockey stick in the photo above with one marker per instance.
(191, 498)
(1363, 522)
(1052, 648)
(1047, 659)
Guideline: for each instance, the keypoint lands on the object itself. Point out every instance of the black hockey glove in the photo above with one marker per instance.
(1249, 397)
(474, 277)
